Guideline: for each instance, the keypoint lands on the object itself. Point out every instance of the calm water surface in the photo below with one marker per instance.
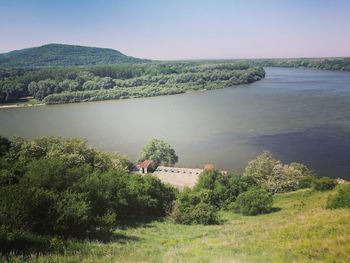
(298, 114)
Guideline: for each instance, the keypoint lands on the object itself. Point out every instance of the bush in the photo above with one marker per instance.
(324, 183)
(341, 199)
(57, 187)
(5, 146)
(274, 175)
(254, 202)
(225, 188)
(306, 181)
(148, 196)
(194, 207)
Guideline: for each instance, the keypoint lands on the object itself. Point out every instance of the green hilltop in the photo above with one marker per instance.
(53, 55)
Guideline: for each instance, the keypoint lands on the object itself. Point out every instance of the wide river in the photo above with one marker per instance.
(299, 115)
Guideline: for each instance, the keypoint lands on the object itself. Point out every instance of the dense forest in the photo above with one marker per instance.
(317, 63)
(104, 82)
(53, 55)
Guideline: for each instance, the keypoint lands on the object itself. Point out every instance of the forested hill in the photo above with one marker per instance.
(64, 55)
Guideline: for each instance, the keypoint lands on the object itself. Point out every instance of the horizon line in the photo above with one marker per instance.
(184, 59)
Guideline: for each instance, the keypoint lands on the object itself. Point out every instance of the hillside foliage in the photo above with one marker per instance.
(341, 199)
(274, 175)
(53, 55)
(63, 187)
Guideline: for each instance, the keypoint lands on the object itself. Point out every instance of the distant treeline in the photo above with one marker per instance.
(104, 82)
(317, 63)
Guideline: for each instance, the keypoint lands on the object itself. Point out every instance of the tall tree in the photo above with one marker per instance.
(159, 152)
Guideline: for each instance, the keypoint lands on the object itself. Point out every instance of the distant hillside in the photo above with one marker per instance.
(64, 55)
(342, 63)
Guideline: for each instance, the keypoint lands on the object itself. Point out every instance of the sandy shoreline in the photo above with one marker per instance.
(8, 106)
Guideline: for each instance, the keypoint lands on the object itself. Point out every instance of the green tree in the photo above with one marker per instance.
(274, 175)
(159, 152)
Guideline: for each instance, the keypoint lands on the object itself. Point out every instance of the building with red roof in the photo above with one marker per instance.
(144, 166)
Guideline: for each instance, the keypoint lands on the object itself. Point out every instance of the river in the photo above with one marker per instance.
(299, 115)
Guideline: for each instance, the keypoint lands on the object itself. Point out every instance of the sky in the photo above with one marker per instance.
(182, 29)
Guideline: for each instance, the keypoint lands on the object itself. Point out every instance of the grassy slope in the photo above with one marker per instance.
(302, 231)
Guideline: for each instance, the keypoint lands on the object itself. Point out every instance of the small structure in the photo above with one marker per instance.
(144, 166)
(209, 166)
(180, 177)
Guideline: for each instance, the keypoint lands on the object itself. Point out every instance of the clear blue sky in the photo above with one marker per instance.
(182, 29)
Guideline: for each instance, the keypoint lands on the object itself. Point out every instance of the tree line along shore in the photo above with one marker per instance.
(31, 86)
(107, 82)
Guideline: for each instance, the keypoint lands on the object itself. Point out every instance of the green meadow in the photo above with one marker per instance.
(299, 229)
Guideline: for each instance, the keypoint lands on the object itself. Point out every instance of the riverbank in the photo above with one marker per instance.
(8, 106)
(135, 95)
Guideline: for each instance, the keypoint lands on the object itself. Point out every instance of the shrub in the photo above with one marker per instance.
(225, 188)
(51, 186)
(274, 175)
(5, 146)
(341, 199)
(306, 181)
(194, 207)
(254, 202)
(148, 196)
(324, 183)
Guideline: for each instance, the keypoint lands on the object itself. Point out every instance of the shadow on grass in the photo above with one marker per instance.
(144, 222)
(275, 210)
(23, 243)
(27, 243)
(124, 239)
(271, 211)
(111, 237)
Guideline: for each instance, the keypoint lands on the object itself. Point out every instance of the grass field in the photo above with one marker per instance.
(299, 230)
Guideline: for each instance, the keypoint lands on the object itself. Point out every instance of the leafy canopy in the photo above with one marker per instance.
(62, 187)
(254, 202)
(274, 175)
(159, 152)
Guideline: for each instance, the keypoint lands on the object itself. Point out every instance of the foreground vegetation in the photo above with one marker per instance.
(61, 200)
(62, 187)
(106, 82)
(299, 230)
